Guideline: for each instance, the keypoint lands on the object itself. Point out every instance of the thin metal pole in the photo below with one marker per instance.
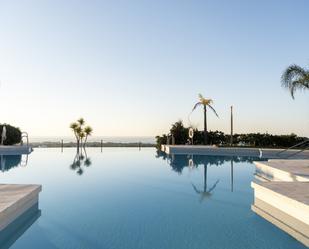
(232, 175)
(61, 145)
(232, 126)
(101, 145)
(139, 145)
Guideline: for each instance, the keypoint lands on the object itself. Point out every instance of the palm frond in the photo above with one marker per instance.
(195, 189)
(81, 121)
(207, 101)
(196, 105)
(294, 78)
(88, 130)
(213, 109)
(204, 101)
(213, 187)
(298, 85)
(73, 126)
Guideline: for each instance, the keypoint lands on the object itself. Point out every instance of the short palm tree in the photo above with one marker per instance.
(295, 78)
(205, 103)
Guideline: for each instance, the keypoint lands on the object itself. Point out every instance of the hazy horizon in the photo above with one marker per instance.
(135, 67)
(106, 139)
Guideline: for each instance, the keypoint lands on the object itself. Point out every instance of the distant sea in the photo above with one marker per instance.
(124, 139)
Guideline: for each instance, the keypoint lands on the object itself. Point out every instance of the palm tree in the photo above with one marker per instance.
(81, 133)
(74, 127)
(205, 103)
(88, 132)
(81, 122)
(295, 78)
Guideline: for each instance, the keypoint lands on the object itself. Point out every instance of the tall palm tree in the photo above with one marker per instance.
(295, 78)
(74, 127)
(82, 135)
(79, 132)
(205, 103)
(88, 132)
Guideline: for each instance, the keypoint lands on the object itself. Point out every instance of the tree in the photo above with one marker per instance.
(88, 132)
(295, 78)
(205, 103)
(179, 132)
(74, 128)
(13, 134)
(81, 133)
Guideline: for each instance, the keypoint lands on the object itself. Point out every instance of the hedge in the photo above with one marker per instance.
(13, 134)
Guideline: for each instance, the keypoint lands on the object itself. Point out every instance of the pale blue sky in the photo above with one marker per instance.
(133, 67)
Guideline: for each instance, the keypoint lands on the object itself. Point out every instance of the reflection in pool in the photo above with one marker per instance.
(80, 161)
(16, 229)
(8, 162)
(179, 162)
(134, 199)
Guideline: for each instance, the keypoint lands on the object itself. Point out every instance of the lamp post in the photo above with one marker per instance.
(231, 126)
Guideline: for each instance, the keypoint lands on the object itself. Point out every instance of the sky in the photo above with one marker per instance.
(132, 68)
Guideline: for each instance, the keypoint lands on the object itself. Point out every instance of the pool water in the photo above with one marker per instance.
(129, 198)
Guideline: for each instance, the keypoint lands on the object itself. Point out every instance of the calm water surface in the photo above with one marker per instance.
(126, 198)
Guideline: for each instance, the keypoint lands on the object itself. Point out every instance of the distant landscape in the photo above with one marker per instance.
(126, 141)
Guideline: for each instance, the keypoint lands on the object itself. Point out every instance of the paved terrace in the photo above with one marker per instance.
(15, 200)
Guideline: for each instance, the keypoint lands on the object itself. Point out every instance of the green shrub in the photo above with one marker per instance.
(180, 134)
(13, 134)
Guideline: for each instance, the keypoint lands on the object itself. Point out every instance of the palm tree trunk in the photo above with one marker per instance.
(205, 126)
(205, 177)
(85, 141)
(77, 144)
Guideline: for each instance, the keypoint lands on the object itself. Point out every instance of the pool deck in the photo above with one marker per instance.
(283, 198)
(233, 151)
(16, 200)
(15, 149)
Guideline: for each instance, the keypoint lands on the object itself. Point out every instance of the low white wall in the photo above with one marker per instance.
(15, 150)
(230, 151)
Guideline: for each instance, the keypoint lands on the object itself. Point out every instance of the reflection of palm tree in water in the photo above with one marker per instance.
(205, 193)
(80, 160)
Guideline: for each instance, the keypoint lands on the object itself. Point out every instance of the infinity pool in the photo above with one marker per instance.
(123, 198)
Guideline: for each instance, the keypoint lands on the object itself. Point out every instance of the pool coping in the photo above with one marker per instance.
(15, 149)
(265, 153)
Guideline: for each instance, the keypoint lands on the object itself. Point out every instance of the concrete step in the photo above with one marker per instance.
(284, 170)
(15, 200)
(286, 205)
